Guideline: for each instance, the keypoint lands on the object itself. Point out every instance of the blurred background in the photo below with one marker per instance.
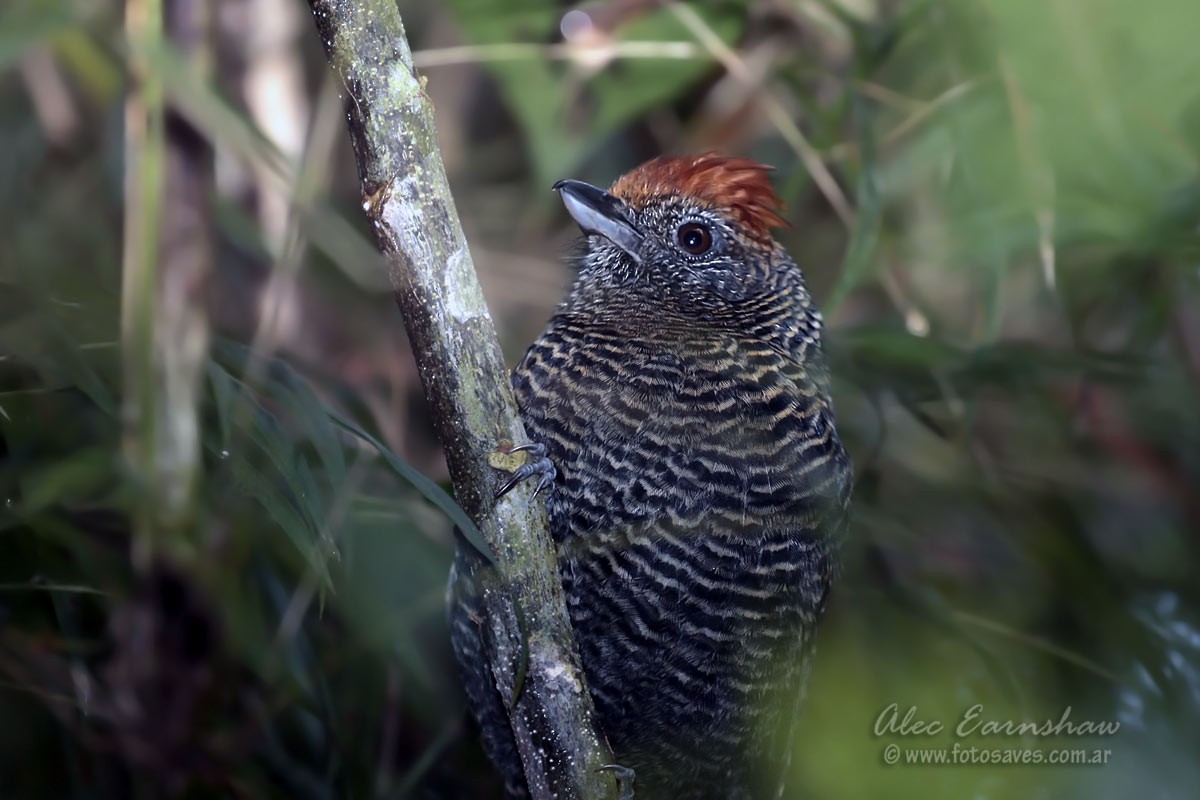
(997, 204)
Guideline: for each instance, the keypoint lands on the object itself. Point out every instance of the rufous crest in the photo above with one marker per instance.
(738, 186)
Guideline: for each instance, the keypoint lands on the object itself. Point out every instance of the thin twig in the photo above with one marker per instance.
(778, 115)
(921, 112)
(1036, 174)
(586, 54)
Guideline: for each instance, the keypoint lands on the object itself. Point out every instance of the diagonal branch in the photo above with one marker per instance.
(778, 115)
(407, 199)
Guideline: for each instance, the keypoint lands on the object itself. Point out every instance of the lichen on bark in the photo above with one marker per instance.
(407, 198)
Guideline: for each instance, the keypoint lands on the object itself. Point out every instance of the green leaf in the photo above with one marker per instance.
(864, 238)
(427, 488)
(288, 459)
(295, 395)
(75, 477)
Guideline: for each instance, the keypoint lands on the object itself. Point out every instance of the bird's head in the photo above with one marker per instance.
(692, 233)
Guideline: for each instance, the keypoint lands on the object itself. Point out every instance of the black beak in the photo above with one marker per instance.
(597, 211)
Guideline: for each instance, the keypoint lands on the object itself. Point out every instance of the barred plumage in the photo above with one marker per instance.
(701, 485)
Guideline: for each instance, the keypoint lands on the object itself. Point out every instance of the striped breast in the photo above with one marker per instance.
(700, 485)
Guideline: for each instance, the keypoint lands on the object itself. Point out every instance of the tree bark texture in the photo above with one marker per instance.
(407, 199)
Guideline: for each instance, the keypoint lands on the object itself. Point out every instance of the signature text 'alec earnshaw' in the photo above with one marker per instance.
(892, 721)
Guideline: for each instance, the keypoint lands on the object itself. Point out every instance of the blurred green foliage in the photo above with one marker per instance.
(1014, 333)
(538, 90)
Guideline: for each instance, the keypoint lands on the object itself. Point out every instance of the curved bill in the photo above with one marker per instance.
(596, 211)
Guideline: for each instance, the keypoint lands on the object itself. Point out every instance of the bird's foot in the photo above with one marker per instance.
(624, 776)
(538, 465)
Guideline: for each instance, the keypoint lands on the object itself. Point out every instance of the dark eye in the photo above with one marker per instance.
(694, 238)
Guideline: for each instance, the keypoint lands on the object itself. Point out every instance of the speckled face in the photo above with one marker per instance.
(690, 233)
(690, 246)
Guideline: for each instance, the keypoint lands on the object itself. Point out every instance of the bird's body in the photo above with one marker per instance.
(700, 484)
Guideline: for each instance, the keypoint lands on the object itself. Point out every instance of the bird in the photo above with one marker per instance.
(680, 421)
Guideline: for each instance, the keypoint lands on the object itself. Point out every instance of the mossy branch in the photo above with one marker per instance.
(407, 199)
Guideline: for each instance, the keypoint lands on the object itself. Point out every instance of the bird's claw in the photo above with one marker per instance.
(624, 776)
(540, 466)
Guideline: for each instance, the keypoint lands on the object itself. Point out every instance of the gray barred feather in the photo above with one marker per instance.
(701, 493)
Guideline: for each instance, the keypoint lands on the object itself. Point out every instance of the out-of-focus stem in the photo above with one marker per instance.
(166, 263)
(143, 201)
